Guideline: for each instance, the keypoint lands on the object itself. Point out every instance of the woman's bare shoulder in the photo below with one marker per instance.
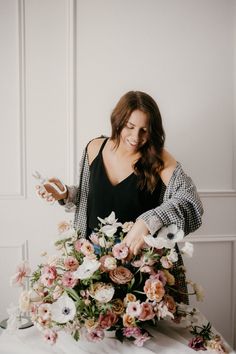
(93, 148)
(170, 164)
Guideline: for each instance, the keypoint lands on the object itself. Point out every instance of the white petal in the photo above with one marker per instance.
(187, 250)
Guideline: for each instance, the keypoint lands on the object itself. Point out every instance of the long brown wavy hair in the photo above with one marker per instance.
(150, 163)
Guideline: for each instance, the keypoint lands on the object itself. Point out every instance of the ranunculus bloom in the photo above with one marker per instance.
(87, 248)
(120, 251)
(121, 275)
(68, 280)
(44, 311)
(71, 263)
(154, 290)
(146, 312)
(95, 335)
(50, 336)
(107, 320)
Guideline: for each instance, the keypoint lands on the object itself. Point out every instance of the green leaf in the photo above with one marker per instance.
(72, 293)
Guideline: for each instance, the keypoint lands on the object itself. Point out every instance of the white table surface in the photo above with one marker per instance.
(166, 340)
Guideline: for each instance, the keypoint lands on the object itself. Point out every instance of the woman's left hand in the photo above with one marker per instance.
(134, 238)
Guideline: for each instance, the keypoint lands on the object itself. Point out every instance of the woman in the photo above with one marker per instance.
(132, 174)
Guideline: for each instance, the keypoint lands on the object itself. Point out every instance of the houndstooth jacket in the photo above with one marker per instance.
(179, 202)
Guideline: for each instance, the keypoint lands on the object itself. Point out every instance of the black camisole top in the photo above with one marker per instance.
(126, 199)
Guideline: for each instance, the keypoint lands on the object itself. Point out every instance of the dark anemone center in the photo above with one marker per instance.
(66, 311)
(170, 236)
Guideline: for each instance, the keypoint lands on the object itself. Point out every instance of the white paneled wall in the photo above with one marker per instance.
(63, 66)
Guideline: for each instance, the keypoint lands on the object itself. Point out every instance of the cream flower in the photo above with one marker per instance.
(102, 292)
(187, 250)
(110, 225)
(87, 268)
(24, 301)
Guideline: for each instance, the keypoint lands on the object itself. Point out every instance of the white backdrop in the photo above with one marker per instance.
(63, 66)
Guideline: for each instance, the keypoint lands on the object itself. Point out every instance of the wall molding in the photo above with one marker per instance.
(71, 92)
(232, 240)
(22, 98)
(218, 193)
(24, 247)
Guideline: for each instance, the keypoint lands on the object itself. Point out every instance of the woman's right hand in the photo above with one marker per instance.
(53, 192)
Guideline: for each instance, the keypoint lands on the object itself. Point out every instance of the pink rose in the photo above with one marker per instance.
(120, 251)
(132, 332)
(78, 244)
(71, 263)
(108, 320)
(142, 339)
(68, 280)
(50, 271)
(146, 312)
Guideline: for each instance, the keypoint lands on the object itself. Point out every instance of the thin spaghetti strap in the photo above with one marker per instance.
(102, 146)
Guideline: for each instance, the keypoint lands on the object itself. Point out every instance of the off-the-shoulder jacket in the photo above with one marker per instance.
(179, 202)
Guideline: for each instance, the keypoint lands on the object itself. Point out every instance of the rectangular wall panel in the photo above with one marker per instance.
(12, 159)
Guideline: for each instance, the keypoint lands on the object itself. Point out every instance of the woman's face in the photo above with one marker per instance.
(135, 132)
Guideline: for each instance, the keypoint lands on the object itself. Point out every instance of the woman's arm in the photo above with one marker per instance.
(181, 205)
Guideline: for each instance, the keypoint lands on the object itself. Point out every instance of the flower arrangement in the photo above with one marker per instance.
(92, 287)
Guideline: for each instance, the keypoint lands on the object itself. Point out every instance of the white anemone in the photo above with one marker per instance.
(166, 237)
(63, 310)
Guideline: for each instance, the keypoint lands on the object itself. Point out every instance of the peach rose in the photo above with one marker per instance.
(129, 298)
(154, 290)
(128, 321)
(121, 275)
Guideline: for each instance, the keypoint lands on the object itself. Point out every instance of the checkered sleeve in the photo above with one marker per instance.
(181, 205)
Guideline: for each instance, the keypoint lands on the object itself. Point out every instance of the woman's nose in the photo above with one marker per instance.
(135, 135)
